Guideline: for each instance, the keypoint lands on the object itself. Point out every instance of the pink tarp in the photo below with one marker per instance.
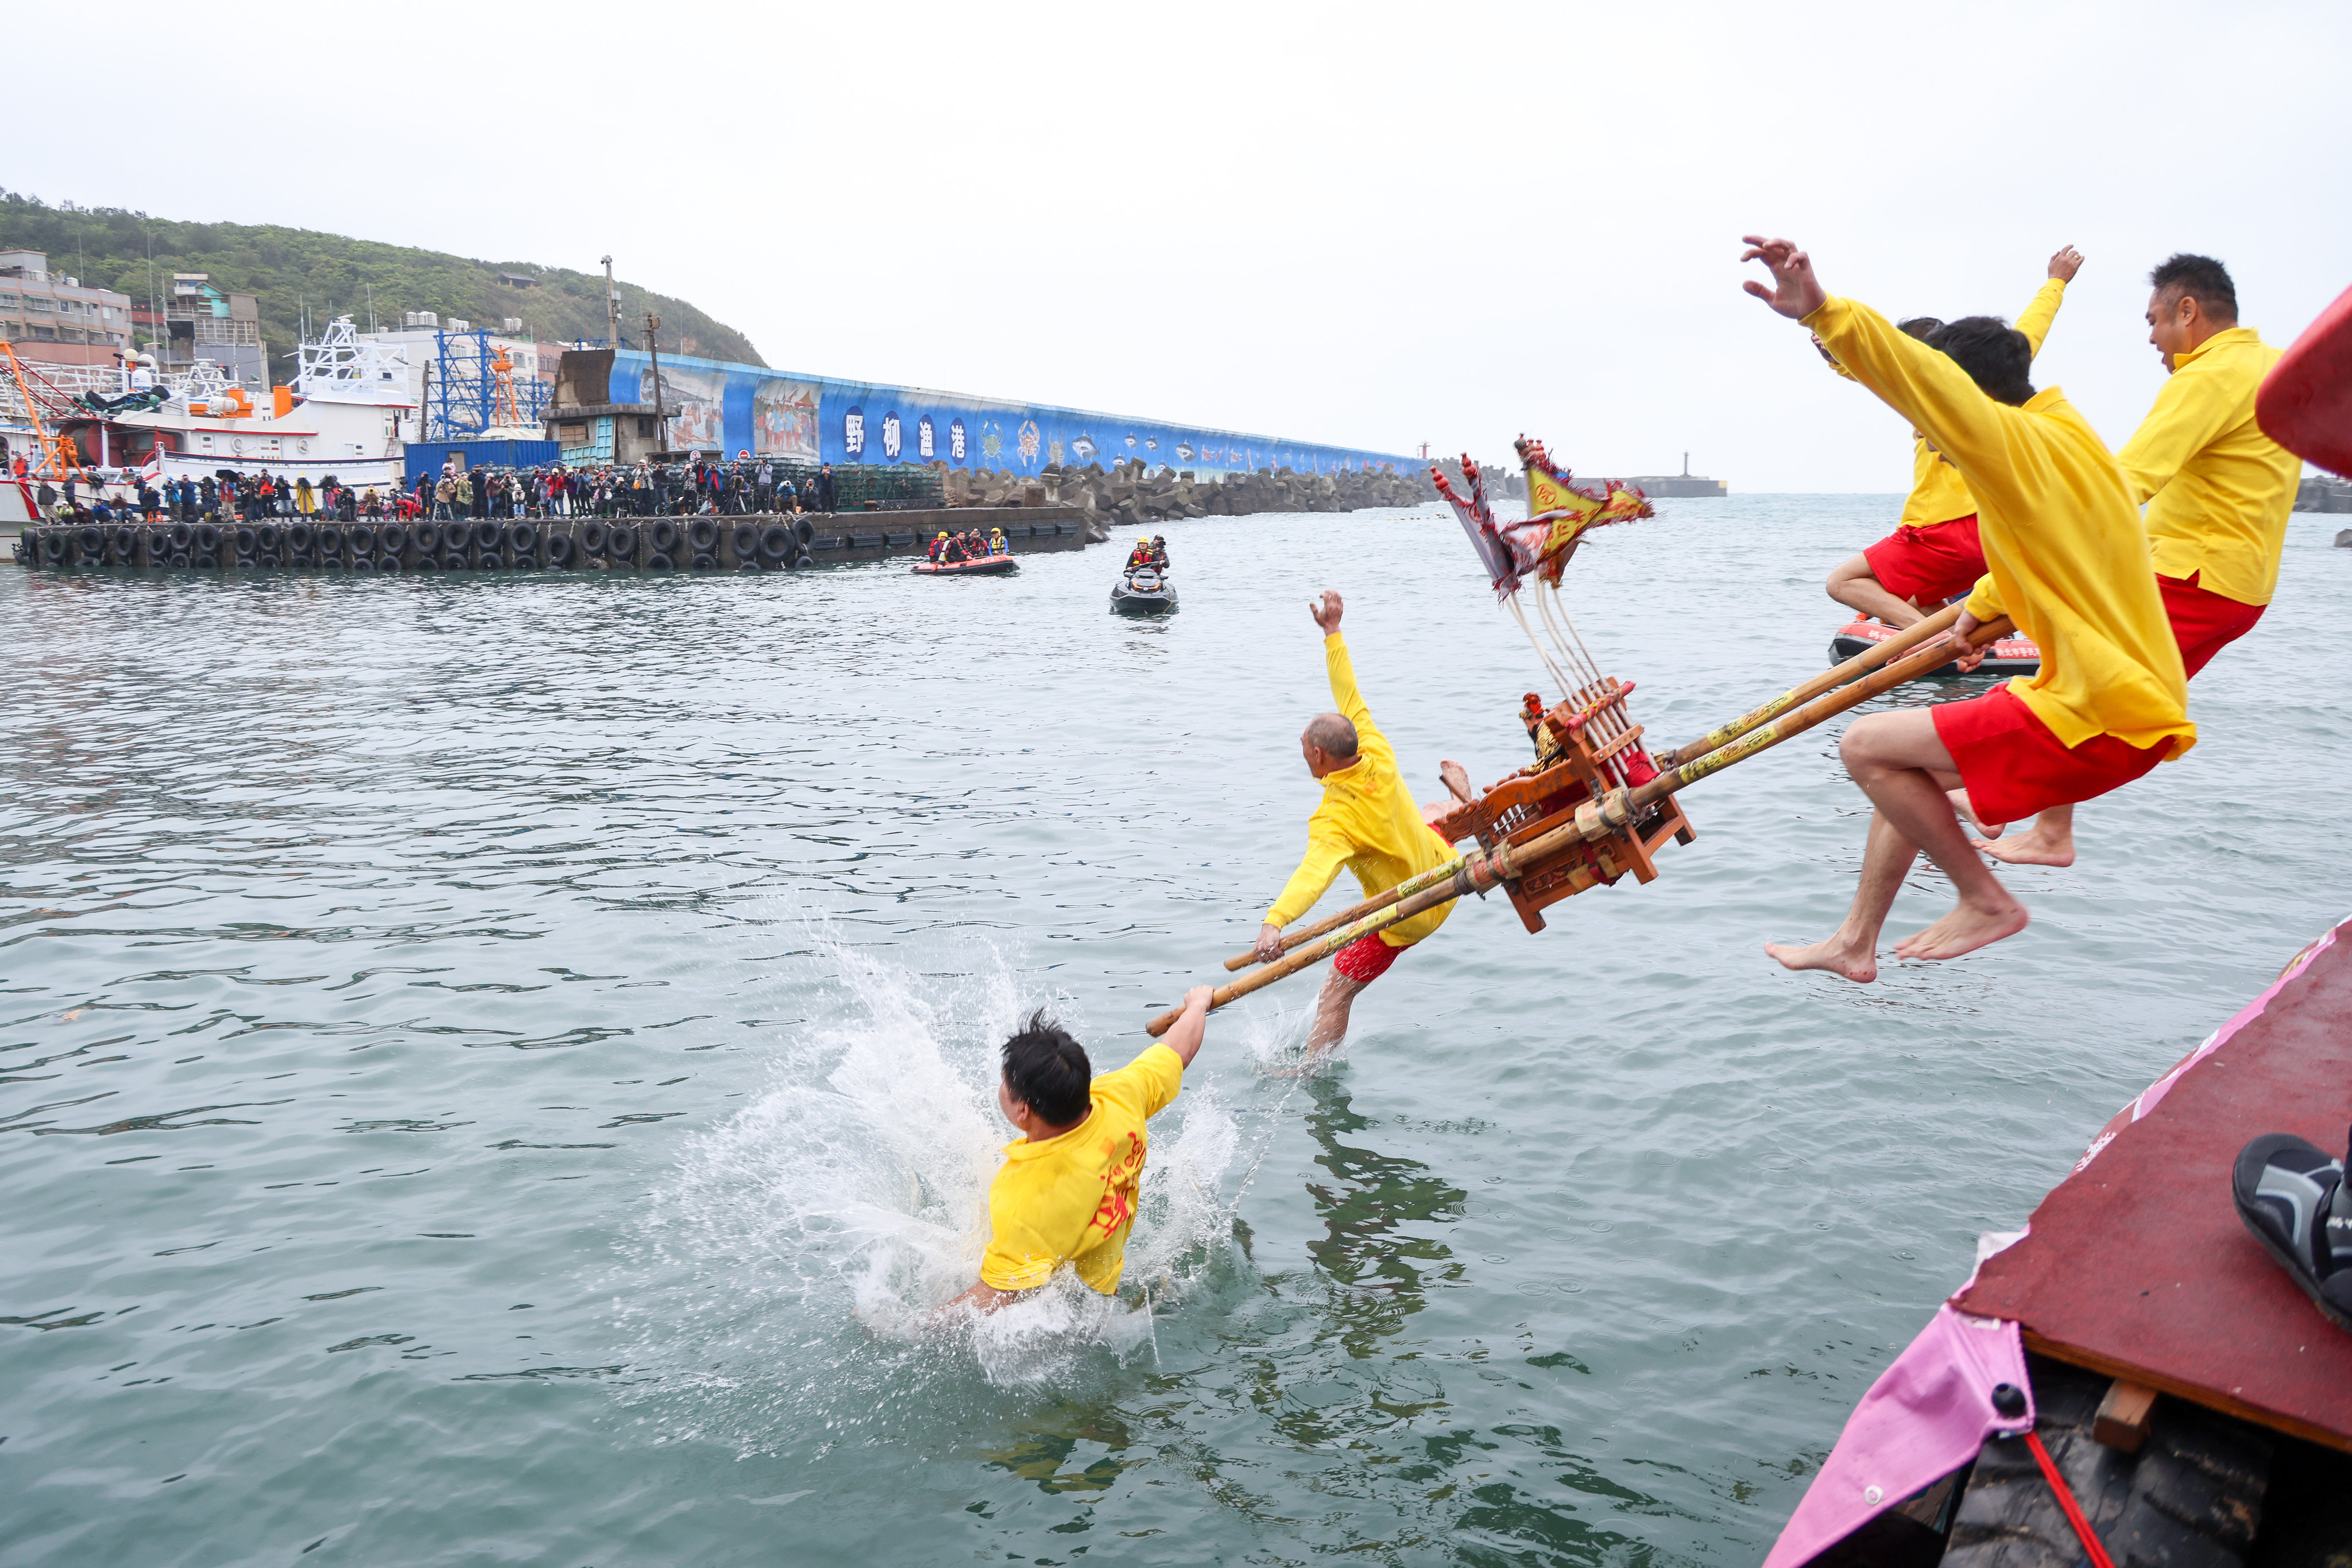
(1925, 1417)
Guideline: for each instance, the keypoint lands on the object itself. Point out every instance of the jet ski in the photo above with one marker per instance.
(2015, 655)
(1145, 592)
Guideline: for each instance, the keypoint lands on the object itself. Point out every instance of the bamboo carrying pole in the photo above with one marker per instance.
(1481, 869)
(1405, 889)
(1861, 664)
(1596, 819)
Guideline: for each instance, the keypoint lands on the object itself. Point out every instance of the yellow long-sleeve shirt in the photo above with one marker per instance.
(1367, 821)
(1939, 494)
(2219, 491)
(2066, 557)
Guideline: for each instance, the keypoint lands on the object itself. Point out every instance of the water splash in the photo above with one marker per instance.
(785, 1277)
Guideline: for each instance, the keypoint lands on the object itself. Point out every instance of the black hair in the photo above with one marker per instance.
(1994, 353)
(1921, 327)
(1047, 1069)
(2202, 278)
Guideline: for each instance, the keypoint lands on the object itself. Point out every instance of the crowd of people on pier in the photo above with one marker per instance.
(740, 488)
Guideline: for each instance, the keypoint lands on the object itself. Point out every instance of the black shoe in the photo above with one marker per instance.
(2293, 1197)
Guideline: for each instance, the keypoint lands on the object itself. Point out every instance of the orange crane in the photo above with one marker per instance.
(59, 456)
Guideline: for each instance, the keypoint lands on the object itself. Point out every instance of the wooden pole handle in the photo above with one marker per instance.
(1356, 911)
(1596, 818)
(1861, 664)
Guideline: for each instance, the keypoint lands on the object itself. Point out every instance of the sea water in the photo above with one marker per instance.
(503, 1070)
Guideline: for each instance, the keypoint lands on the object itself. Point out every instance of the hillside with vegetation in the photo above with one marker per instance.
(289, 270)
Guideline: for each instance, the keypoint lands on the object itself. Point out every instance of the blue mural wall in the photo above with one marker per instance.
(729, 408)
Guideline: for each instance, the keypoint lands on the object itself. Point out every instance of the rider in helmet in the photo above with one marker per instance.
(939, 548)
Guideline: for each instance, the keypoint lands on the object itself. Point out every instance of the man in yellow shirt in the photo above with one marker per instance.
(2219, 491)
(1067, 1191)
(1368, 822)
(1932, 554)
(2067, 560)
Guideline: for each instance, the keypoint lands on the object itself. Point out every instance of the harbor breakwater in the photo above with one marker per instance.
(769, 542)
(1133, 493)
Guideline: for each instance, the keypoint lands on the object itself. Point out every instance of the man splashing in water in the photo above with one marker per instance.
(1067, 1191)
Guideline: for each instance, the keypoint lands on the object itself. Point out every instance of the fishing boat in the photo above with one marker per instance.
(980, 566)
(2130, 1377)
(1143, 593)
(124, 424)
(2012, 656)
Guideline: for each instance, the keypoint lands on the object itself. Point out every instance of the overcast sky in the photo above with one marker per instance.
(1367, 224)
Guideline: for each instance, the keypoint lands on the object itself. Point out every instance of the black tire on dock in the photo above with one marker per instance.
(183, 535)
(662, 534)
(703, 535)
(559, 549)
(181, 560)
(427, 534)
(393, 538)
(803, 561)
(524, 536)
(53, 545)
(703, 561)
(592, 536)
(804, 530)
(621, 542)
(299, 537)
(206, 538)
(2191, 1498)
(778, 543)
(658, 561)
(90, 538)
(270, 537)
(746, 540)
(451, 561)
(331, 541)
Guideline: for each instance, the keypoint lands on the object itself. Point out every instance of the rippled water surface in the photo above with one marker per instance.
(490, 1070)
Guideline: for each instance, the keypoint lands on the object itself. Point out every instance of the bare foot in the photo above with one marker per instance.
(2033, 847)
(1967, 928)
(1961, 804)
(1841, 955)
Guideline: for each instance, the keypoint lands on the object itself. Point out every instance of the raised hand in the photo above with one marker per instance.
(1326, 614)
(2066, 264)
(1795, 293)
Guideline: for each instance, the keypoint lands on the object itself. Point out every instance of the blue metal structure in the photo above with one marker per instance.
(461, 399)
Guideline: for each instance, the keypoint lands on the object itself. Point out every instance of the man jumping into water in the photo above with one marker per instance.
(1933, 553)
(2068, 563)
(1368, 822)
(2219, 491)
(1067, 1191)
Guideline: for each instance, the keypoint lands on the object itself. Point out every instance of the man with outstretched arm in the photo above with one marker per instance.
(2219, 491)
(1932, 554)
(2067, 562)
(1366, 823)
(1068, 1190)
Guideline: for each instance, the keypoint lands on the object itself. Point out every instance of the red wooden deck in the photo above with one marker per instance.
(2137, 1265)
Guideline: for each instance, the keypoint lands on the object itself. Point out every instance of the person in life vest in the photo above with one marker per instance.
(1932, 554)
(1160, 551)
(1139, 557)
(940, 547)
(996, 542)
(2067, 562)
(1368, 822)
(2217, 491)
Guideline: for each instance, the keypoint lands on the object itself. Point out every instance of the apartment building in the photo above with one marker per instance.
(51, 319)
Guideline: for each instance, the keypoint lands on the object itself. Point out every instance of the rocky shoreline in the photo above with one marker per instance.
(1134, 494)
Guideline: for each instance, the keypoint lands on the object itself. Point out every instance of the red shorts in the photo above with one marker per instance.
(2013, 766)
(1929, 564)
(2203, 622)
(1365, 959)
